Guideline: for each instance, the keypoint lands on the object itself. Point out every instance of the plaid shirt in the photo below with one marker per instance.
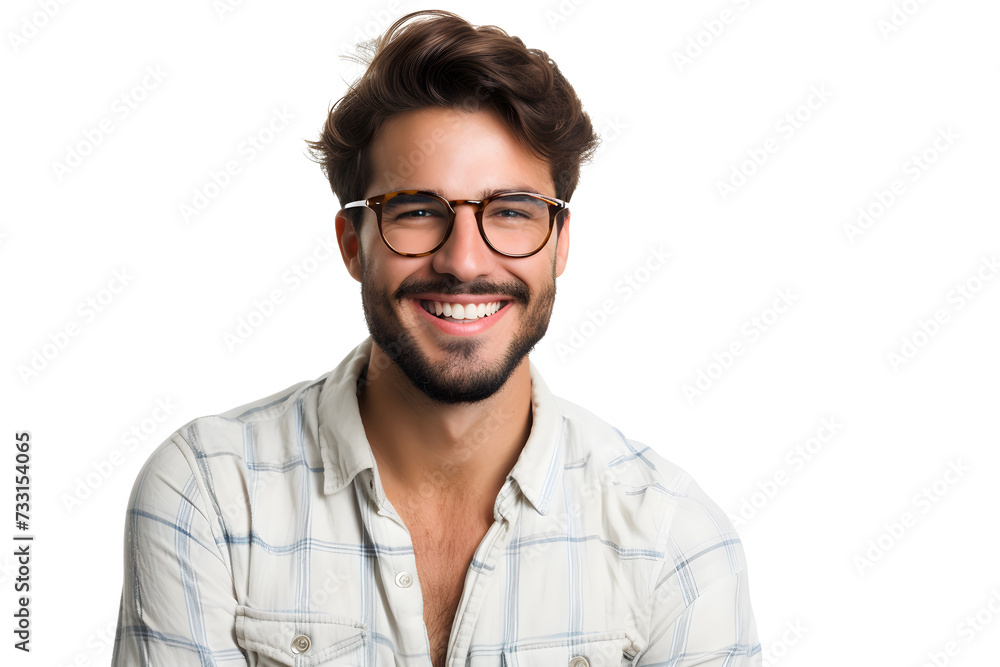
(263, 536)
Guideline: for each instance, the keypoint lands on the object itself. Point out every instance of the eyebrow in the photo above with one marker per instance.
(485, 194)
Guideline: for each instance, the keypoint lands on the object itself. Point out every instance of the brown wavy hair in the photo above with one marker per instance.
(435, 58)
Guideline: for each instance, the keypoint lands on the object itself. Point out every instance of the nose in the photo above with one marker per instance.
(465, 254)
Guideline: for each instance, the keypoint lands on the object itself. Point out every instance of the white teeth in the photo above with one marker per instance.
(458, 311)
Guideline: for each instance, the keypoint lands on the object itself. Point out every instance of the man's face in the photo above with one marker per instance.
(458, 156)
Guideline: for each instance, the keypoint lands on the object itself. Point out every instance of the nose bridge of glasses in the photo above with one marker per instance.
(474, 208)
(476, 204)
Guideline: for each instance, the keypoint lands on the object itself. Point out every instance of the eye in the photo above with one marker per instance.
(517, 209)
(417, 213)
(508, 213)
(413, 208)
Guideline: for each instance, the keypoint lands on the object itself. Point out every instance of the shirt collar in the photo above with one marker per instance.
(346, 451)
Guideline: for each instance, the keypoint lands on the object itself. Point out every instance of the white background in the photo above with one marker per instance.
(673, 131)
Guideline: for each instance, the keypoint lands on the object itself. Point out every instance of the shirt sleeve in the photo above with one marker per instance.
(178, 605)
(701, 613)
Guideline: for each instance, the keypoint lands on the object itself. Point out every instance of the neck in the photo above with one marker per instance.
(437, 455)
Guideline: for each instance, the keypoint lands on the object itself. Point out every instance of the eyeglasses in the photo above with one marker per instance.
(414, 223)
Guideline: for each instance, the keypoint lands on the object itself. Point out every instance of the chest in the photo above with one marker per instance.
(443, 551)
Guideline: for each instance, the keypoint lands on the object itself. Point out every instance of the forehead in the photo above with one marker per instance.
(459, 154)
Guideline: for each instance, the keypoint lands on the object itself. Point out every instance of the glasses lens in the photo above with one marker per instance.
(414, 223)
(516, 224)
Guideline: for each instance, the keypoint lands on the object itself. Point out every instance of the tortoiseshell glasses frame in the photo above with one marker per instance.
(378, 203)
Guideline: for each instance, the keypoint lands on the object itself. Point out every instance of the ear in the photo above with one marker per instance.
(347, 239)
(562, 246)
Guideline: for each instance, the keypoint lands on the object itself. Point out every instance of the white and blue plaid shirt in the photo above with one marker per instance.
(263, 536)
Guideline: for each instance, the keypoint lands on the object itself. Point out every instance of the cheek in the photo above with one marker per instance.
(371, 253)
(367, 240)
(384, 273)
(539, 279)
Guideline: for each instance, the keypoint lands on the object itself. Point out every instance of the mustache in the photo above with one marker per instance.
(516, 290)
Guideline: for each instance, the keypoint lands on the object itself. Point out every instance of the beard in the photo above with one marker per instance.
(463, 377)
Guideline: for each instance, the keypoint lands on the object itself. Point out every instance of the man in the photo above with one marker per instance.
(429, 501)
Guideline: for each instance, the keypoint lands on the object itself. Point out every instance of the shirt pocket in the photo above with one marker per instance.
(601, 649)
(298, 639)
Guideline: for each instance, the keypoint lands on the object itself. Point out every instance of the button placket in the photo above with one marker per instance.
(397, 567)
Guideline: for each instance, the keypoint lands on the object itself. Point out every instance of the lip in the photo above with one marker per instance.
(456, 329)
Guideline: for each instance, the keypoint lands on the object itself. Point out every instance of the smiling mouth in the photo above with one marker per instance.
(464, 313)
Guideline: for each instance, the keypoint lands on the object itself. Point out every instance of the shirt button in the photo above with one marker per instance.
(404, 580)
(579, 661)
(301, 644)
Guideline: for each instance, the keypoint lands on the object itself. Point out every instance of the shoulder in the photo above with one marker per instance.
(616, 456)
(663, 505)
(273, 419)
(214, 452)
